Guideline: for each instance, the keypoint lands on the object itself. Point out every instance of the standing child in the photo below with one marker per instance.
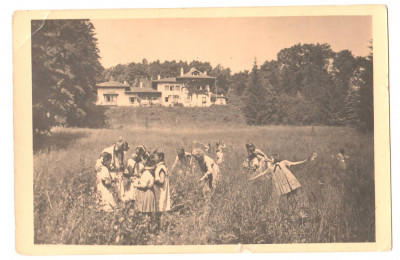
(104, 183)
(145, 201)
(134, 168)
(161, 181)
(117, 152)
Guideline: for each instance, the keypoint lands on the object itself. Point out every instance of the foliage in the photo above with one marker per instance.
(260, 107)
(65, 68)
(332, 206)
(312, 86)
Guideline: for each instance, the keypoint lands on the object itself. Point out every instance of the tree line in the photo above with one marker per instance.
(309, 84)
(306, 84)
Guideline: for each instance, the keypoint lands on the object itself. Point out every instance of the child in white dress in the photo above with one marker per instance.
(134, 169)
(104, 180)
(161, 182)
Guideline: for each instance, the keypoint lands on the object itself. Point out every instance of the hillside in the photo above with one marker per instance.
(174, 117)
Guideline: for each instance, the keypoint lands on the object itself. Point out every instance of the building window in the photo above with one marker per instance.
(110, 98)
(187, 98)
(203, 101)
(132, 100)
(171, 88)
(166, 99)
(166, 88)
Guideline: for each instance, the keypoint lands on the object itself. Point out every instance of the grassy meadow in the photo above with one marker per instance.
(332, 206)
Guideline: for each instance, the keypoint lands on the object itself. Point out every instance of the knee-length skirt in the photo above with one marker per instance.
(145, 200)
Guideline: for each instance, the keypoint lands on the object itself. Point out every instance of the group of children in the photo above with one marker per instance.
(144, 178)
(277, 169)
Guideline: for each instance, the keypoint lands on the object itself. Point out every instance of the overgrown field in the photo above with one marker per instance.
(173, 117)
(332, 206)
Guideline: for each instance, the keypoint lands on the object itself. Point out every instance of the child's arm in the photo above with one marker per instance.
(289, 163)
(261, 174)
(209, 171)
(161, 180)
(175, 163)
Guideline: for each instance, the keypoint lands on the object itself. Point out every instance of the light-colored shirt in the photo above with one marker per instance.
(165, 200)
(146, 180)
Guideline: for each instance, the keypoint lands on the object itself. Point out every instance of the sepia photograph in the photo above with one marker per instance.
(204, 130)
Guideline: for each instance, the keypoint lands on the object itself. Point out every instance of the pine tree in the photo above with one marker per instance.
(353, 102)
(366, 92)
(260, 106)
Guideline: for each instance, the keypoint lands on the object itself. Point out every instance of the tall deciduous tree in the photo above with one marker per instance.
(65, 69)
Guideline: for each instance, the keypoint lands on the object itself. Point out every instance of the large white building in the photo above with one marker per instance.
(192, 89)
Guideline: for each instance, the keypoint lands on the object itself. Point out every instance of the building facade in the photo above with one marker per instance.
(113, 93)
(192, 89)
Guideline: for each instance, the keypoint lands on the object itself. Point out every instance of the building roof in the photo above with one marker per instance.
(167, 80)
(195, 74)
(218, 96)
(142, 90)
(191, 74)
(112, 84)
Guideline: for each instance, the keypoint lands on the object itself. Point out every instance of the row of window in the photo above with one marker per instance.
(172, 88)
(170, 98)
(178, 88)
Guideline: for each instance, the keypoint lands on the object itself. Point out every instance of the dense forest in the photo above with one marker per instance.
(307, 84)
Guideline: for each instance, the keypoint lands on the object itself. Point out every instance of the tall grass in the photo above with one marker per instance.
(332, 206)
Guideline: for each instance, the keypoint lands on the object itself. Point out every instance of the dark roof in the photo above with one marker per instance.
(190, 75)
(165, 80)
(218, 96)
(112, 84)
(142, 90)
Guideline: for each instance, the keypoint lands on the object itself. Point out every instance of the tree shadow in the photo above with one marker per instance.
(96, 117)
(57, 140)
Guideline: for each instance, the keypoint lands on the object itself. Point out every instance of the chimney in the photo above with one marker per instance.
(205, 72)
(181, 71)
(126, 83)
(141, 85)
(158, 77)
